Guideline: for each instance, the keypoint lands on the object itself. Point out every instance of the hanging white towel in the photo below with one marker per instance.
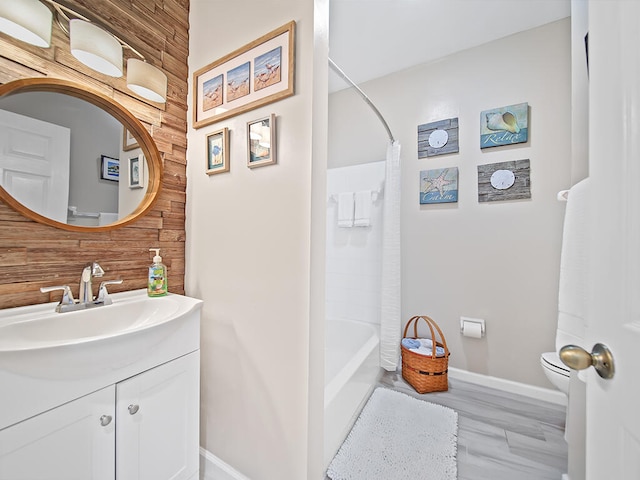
(362, 215)
(345, 209)
(574, 264)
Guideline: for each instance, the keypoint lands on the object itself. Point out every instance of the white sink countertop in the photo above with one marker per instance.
(39, 326)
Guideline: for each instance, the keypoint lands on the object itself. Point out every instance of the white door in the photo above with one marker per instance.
(34, 164)
(613, 312)
(75, 441)
(158, 415)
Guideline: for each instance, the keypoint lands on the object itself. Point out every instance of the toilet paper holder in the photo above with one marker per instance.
(472, 321)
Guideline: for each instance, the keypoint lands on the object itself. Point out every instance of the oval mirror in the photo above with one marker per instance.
(73, 158)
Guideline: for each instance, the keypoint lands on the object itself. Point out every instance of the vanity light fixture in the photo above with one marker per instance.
(30, 21)
(26, 20)
(96, 48)
(146, 80)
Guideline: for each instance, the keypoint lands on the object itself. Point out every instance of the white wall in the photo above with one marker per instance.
(499, 260)
(579, 92)
(251, 257)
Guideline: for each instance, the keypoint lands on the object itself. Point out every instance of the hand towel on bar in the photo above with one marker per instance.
(345, 209)
(362, 215)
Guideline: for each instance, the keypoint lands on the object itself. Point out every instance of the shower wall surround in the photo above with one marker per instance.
(354, 255)
(34, 255)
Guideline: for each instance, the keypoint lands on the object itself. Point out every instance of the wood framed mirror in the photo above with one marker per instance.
(106, 149)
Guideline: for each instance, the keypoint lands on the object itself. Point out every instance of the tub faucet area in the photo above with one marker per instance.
(85, 292)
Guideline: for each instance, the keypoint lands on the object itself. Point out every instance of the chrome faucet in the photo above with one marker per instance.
(85, 293)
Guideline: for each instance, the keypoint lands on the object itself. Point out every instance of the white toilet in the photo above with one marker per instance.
(570, 331)
(556, 371)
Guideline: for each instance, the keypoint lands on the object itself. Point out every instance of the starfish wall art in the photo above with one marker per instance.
(439, 185)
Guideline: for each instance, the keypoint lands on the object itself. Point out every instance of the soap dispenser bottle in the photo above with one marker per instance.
(157, 286)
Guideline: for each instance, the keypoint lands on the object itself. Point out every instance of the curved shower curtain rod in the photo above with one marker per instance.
(344, 76)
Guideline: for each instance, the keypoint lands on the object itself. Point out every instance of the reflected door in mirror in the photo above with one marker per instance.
(34, 163)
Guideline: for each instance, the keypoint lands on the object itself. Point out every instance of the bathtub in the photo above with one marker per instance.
(352, 368)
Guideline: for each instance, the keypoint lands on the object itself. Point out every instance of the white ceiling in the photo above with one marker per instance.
(371, 38)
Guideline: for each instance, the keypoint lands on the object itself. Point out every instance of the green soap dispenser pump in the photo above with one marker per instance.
(157, 286)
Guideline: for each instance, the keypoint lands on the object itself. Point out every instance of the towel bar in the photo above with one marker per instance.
(375, 195)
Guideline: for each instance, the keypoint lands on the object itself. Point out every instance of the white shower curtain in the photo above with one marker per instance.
(390, 322)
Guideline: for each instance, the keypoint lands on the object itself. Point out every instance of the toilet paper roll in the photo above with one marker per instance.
(472, 330)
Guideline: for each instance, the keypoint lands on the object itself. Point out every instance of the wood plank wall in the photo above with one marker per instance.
(34, 255)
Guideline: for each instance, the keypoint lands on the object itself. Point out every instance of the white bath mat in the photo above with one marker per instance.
(399, 437)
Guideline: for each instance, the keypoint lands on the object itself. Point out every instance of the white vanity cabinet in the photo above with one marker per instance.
(142, 428)
(67, 442)
(157, 418)
(104, 393)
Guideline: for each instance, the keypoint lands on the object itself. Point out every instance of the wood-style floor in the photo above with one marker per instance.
(501, 436)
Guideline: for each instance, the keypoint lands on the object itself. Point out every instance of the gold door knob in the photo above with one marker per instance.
(578, 358)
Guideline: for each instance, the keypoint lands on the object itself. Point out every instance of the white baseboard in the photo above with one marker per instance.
(565, 476)
(539, 393)
(212, 468)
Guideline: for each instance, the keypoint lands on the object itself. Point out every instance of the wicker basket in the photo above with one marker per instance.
(425, 373)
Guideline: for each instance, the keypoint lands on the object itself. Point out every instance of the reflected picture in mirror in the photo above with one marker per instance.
(110, 169)
(129, 142)
(136, 171)
(63, 148)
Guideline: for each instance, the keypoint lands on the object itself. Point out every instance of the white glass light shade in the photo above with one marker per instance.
(146, 80)
(95, 48)
(26, 20)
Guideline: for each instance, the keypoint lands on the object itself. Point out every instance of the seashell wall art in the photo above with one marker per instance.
(504, 126)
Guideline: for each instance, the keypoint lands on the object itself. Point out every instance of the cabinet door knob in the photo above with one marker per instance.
(133, 409)
(105, 420)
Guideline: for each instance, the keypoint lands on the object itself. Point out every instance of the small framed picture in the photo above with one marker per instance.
(261, 140)
(218, 152)
(136, 171)
(110, 169)
(129, 142)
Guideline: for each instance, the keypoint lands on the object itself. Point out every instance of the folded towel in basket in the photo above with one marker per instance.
(428, 352)
(410, 343)
(423, 346)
